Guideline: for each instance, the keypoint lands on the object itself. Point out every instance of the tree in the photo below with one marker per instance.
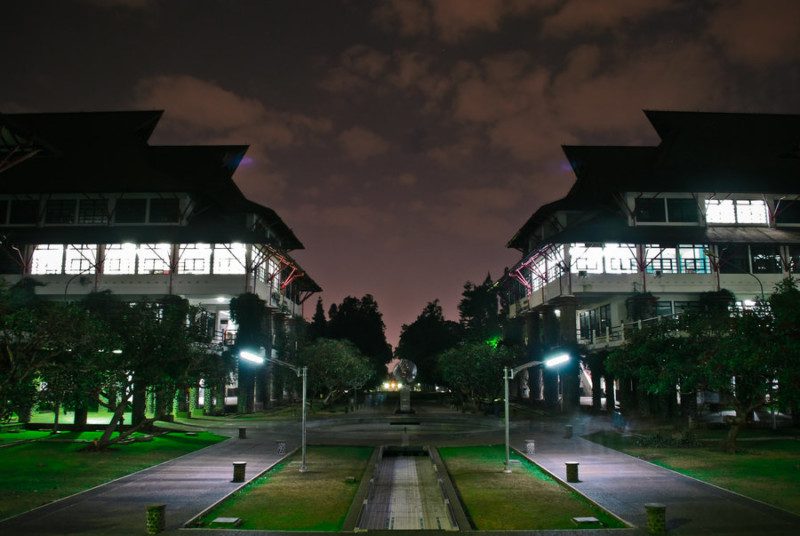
(785, 305)
(478, 311)
(427, 337)
(474, 370)
(319, 324)
(249, 312)
(360, 322)
(334, 366)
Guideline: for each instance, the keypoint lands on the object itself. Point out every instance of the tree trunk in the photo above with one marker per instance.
(729, 443)
(139, 405)
(56, 415)
(119, 413)
(81, 415)
(611, 396)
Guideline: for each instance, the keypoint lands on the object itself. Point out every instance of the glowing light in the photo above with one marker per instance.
(386, 385)
(556, 360)
(220, 299)
(117, 351)
(493, 341)
(252, 357)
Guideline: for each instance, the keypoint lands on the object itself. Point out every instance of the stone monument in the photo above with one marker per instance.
(405, 372)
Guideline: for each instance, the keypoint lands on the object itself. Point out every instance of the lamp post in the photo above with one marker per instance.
(508, 374)
(302, 372)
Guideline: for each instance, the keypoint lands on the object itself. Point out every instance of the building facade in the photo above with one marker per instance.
(87, 204)
(715, 205)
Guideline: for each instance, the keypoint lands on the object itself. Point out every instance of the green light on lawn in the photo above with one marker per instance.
(494, 341)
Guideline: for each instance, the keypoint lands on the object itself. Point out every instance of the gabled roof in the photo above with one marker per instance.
(699, 152)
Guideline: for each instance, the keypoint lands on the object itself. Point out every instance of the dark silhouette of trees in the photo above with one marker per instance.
(479, 312)
(319, 324)
(425, 338)
(360, 322)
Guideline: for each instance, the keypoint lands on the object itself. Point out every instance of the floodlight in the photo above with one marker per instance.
(117, 351)
(556, 360)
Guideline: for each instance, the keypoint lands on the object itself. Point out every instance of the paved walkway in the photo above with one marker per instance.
(623, 484)
(618, 482)
(187, 485)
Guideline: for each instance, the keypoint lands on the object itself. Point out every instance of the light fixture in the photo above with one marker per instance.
(251, 357)
(556, 360)
(220, 299)
(117, 351)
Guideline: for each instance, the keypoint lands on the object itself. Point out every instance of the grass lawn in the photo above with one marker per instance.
(527, 499)
(39, 472)
(22, 435)
(285, 499)
(764, 469)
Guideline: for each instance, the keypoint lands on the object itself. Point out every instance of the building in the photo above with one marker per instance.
(715, 205)
(86, 204)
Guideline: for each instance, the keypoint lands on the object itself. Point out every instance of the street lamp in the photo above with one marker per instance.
(509, 373)
(302, 372)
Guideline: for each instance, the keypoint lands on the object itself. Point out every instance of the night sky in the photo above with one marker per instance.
(403, 141)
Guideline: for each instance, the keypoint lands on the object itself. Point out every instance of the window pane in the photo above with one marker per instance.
(130, 210)
(663, 308)
(47, 259)
(788, 212)
(650, 210)
(734, 259)
(24, 212)
(93, 211)
(620, 258)
(120, 259)
(153, 258)
(754, 211)
(164, 211)
(194, 259)
(60, 211)
(229, 258)
(720, 211)
(766, 259)
(660, 259)
(80, 259)
(794, 259)
(682, 210)
(693, 260)
(586, 258)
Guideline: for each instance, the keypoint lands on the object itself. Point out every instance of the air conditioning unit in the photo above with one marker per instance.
(581, 273)
(658, 273)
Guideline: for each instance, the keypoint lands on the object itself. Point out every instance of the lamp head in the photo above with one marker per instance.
(252, 357)
(555, 360)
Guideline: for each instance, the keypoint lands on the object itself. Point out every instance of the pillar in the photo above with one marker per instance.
(568, 338)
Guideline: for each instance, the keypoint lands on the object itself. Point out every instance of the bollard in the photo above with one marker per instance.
(568, 431)
(242, 433)
(572, 471)
(239, 471)
(656, 518)
(280, 447)
(155, 518)
(530, 447)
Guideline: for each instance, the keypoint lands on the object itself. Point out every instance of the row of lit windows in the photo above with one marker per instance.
(717, 211)
(614, 258)
(89, 211)
(129, 259)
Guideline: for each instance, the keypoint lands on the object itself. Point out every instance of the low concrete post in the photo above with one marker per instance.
(572, 471)
(656, 518)
(568, 431)
(530, 447)
(280, 447)
(239, 469)
(156, 518)
(242, 433)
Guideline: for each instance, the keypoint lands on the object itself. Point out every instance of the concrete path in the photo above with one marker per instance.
(623, 484)
(187, 485)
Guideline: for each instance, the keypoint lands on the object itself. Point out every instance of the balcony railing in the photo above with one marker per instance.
(613, 336)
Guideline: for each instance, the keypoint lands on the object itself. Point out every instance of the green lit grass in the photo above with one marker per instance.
(42, 471)
(766, 470)
(285, 499)
(527, 499)
(23, 435)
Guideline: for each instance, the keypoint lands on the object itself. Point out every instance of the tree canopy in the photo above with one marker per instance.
(425, 338)
(360, 322)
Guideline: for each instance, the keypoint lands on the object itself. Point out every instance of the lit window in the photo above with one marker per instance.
(620, 258)
(229, 258)
(153, 258)
(693, 260)
(586, 258)
(120, 259)
(766, 259)
(273, 269)
(751, 211)
(720, 211)
(80, 259)
(739, 211)
(660, 259)
(47, 259)
(93, 211)
(194, 258)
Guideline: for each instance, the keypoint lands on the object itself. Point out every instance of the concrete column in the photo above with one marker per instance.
(568, 338)
(156, 514)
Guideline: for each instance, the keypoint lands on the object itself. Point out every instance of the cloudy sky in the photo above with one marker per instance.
(404, 141)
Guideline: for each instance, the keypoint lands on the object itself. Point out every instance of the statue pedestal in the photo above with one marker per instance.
(405, 402)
